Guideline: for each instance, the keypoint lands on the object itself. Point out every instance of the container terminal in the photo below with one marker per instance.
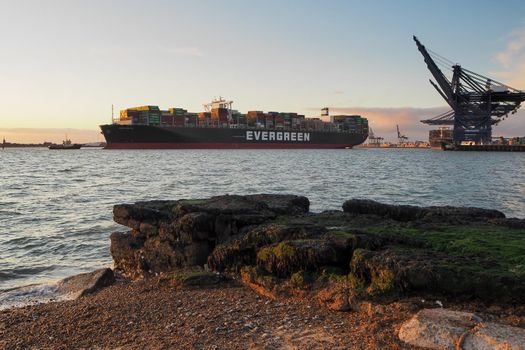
(375, 141)
(220, 126)
(477, 103)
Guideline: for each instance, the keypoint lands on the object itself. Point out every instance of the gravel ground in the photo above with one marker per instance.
(154, 314)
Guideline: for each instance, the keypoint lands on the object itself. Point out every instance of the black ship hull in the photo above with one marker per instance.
(171, 137)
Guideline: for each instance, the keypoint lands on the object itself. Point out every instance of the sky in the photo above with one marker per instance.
(64, 63)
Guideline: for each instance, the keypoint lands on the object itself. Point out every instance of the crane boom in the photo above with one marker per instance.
(442, 81)
(477, 102)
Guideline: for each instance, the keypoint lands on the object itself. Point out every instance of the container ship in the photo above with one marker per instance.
(221, 127)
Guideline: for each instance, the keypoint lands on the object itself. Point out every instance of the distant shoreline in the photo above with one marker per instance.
(47, 144)
(24, 145)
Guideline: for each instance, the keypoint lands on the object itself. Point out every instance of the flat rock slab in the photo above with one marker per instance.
(86, 283)
(412, 213)
(488, 336)
(153, 212)
(448, 329)
(169, 235)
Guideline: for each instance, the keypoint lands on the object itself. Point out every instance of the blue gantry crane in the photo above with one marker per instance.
(477, 102)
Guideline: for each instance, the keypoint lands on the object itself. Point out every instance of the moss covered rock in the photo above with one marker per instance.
(368, 250)
(243, 249)
(287, 257)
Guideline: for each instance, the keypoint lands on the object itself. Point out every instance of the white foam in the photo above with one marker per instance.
(31, 295)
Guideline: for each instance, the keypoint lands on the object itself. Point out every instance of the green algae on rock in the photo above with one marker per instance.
(369, 250)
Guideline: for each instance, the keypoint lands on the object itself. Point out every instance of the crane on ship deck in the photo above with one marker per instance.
(477, 102)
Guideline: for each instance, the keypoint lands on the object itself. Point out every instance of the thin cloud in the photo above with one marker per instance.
(513, 49)
(512, 59)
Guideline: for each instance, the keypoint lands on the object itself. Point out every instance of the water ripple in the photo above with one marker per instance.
(56, 207)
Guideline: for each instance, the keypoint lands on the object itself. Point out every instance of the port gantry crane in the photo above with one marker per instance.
(374, 140)
(477, 102)
(401, 139)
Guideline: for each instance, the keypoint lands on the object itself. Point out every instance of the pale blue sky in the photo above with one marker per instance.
(63, 63)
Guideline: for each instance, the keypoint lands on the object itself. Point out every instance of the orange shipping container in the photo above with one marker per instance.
(255, 113)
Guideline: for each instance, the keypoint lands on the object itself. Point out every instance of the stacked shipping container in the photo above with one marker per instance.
(141, 115)
(351, 123)
(220, 117)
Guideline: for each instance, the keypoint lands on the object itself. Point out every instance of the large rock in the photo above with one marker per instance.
(448, 329)
(284, 258)
(402, 270)
(242, 251)
(381, 251)
(86, 283)
(460, 214)
(489, 336)
(167, 235)
(437, 328)
(513, 223)
(412, 213)
(370, 207)
(127, 252)
(283, 204)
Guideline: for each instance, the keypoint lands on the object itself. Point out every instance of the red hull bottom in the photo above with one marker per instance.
(224, 146)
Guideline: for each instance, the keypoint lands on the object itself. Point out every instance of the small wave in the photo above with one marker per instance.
(30, 295)
(9, 213)
(67, 170)
(21, 272)
(4, 275)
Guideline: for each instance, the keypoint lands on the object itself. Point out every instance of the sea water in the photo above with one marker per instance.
(56, 206)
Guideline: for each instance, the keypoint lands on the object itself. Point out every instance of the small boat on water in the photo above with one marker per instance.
(66, 144)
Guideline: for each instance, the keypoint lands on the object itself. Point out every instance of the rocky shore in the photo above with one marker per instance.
(263, 272)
